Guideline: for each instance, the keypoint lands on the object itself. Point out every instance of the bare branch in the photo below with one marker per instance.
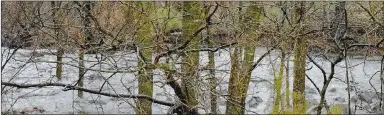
(71, 87)
(318, 66)
(261, 58)
(313, 83)
(370, 14)
(213, 49)
(9, 57)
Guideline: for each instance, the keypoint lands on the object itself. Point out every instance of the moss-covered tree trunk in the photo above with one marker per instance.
(193, 19)
(278, 82)
(233, 103)
(144, 39)
(239, 80)
(287, 90)
(60, 51)
(241, 69)
(300, 52)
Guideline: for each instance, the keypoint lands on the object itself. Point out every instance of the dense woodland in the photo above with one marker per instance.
(170, 36)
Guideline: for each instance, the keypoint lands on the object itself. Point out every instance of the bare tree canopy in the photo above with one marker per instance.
(192, 57)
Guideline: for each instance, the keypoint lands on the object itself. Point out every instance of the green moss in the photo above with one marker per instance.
(299, 103)
(241, 69)
(234, 85)
(191, 22)
(300, 52)
(299, 75)
(144, 39)
(336, 109)
(167, 17)
(287, 91)
(286, 112)
(278, 82)
(82, 113)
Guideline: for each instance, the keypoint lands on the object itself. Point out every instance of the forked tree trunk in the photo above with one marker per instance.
(339, 28)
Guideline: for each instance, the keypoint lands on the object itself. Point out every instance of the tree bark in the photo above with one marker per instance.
(144, 39)
(211, 64)
(240, 75)
(278, 82)
(192, 21)
(300, 52)
(81, 72)
(86, 19)
(287, 90)
(233, 102)
(299, 62)
(60, 51)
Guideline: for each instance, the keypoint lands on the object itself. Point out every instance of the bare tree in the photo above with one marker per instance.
(146, 56)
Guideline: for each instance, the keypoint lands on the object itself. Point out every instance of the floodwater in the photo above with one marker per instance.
(363, 74)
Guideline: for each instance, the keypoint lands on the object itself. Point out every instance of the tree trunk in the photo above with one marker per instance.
(339, 27)
(287, 91)
(81, 72)
(240, 75)
(233, 103)
(211, 65)
(241, 69)
(59, 64)
(144, 39)
(234, 99)
(300, 52)
(213, 82)
(299, 63)
(86, 16)
(60, 51)
(382, 67)
(278, 82)
(192, 21)
(87, 13)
